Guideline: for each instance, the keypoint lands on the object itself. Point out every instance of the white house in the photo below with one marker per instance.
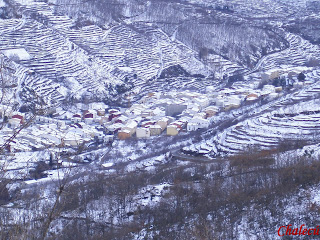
(114, 127)
(210, 89)
(98, 106)
(89, 117)
(58, 123)
(76, 118)
(220, 101)
(108, 138)
(73, 139)
(14, 122)
(143, 132)
(202, 101)
(172, 130)
(104, 120)
(51, 138)
(159, 112)
(194, 107)
(155, 130)
(233, 102)
(147, 113)
(135, 110)
(121, 119)
(131, 126)
(267, 89)
(197, 123)
(163, 122)
(192, 127)
(175, 108)
(188, 113)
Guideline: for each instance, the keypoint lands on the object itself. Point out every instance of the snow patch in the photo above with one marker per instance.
(20, 53)
(106, 165)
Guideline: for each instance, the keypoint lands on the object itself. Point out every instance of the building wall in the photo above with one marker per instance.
(163, 124)
(175, 109)
(72, 142)
(132, 130)
(172, 130)
(143, 132)
(274, 75)
(14, 122)
(123, 135)
(155, 130)
(192, 127)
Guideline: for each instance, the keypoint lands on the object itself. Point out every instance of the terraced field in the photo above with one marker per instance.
(293, 117)
(54, 62)
(88, 61)
(268, 130)
(298, 54)
(261, 9)
(75, 61)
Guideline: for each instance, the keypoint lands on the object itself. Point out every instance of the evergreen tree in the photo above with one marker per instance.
(301, 77)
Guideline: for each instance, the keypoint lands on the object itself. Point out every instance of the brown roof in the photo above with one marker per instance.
(18, 116)
(252, 95)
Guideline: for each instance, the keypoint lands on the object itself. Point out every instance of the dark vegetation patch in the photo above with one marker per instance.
(308, 28)
(224, 190)
(174, 71)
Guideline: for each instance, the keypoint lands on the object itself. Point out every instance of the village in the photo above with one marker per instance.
(156, 113)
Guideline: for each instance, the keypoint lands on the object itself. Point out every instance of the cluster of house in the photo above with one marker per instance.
(174, 111)
(289, 74)
(162, 112)
(43, 132)
(156, 113)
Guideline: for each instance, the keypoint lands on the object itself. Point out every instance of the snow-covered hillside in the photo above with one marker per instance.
(72, 62)
(176, 119)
